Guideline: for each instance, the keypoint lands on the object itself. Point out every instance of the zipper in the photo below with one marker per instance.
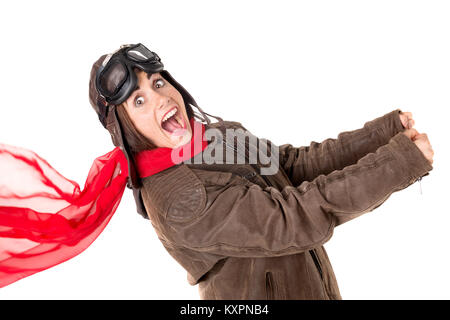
(316, 262)
(420, 181)
(255, 166)
(420, 184)
(249, 175)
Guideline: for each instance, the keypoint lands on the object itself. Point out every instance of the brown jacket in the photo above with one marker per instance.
(243, 235)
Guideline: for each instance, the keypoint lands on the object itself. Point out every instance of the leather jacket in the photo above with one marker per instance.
(243, 235)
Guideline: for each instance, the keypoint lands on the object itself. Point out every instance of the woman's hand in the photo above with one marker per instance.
(422, 142)
(407, 120)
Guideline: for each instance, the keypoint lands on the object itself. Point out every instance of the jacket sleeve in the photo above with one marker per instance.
(306, 163)
(248, 221)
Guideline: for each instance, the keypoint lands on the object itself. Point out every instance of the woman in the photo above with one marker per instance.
(239, 233)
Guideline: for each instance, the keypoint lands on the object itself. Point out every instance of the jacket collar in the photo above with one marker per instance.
(149, 162)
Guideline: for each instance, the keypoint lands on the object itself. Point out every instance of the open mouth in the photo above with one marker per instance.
(173, 123)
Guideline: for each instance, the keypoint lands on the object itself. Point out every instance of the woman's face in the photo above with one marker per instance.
(153, 101)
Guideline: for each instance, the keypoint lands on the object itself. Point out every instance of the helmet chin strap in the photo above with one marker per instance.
(114, 127)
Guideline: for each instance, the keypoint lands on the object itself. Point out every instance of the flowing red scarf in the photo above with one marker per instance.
(45, 219)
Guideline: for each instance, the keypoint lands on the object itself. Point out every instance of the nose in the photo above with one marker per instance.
(161, 100)
(164, 103)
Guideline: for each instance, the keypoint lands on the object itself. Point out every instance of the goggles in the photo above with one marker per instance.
(116, 80)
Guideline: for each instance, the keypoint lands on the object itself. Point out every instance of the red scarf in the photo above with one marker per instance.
(45, 218)
(149, 162)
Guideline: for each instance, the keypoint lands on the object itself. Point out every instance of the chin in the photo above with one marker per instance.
(181, 140)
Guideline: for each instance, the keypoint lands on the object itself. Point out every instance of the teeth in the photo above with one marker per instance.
(180, 122)
(171, 113)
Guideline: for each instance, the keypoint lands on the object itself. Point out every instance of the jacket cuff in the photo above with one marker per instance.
(394, 124)
(414, 162)
(388, 125)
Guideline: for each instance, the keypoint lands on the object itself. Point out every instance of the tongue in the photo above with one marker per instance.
(171, 124)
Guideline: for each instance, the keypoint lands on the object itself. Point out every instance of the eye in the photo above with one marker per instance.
(139, 101)
(159, 83)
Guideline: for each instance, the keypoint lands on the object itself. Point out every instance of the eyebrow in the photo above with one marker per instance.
(149, 75)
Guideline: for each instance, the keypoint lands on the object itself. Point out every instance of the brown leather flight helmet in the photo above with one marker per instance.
(112, 123)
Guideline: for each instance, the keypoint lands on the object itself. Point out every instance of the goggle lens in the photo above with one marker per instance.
(114, 81)
(140, 53)
(113, 78)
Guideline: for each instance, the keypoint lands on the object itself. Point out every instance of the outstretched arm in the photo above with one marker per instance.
(229, 216)
(306, 163)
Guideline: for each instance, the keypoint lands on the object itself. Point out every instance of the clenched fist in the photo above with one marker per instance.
(407, 120)
(422, 142)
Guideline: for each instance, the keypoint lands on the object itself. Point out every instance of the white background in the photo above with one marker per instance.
(291, 72)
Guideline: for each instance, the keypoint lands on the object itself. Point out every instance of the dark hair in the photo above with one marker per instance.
(136, 141)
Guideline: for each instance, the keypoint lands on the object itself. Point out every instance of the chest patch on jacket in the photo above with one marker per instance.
(178, 194)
